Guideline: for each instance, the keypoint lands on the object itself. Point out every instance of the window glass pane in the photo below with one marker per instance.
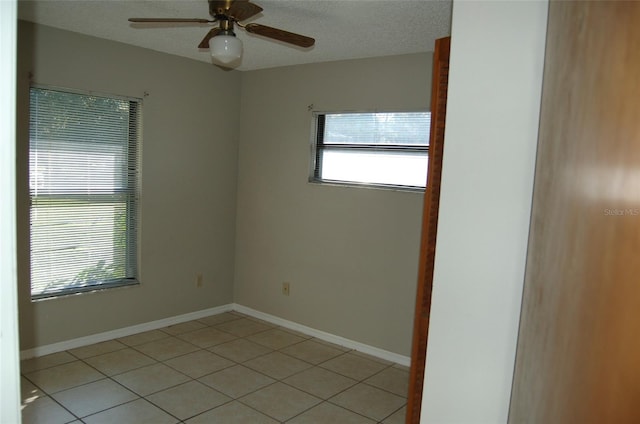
(379, 149)
(391, 168)
(378, 128)
(94, 170)
(85, 245)
(82, 184)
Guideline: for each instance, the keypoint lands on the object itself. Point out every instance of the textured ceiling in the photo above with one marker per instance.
(346, 29)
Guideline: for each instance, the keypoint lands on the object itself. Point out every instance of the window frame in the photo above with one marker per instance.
(317, 146)
(133, 214)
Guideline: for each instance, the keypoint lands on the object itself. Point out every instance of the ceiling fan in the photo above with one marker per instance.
(221, 41)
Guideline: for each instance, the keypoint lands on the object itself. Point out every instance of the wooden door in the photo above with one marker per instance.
(578, 357)
(440, 80)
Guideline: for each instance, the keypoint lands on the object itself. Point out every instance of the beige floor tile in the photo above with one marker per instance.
(237, 381)
(277, 365)
(94, 397)
(28, 391)
(47, 361)
(184, 327)
(320, 382)
(219, 318)
(163, 349)
(280, 401)
(369, 401)
(244, 327)
(312, 351)
(275, 338)
(353, 366)
(206, 337)
(188, 399)
(240, 350)
(142, 338)
(232, 413)
(151, 379)
(64, 376)
(391, 379)
(397, 417)
(329, 413)
(97, 349)
(120, 361)
(139, 412)
(199, 363)
(45, 410)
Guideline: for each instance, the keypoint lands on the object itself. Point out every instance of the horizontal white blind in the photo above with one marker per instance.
(82, 184)
(397, 128)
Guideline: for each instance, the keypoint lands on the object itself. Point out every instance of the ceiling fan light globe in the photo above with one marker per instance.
(225, 48)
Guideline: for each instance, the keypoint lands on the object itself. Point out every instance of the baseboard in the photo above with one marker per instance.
(165, 322)
(328, 337)
(122, 332)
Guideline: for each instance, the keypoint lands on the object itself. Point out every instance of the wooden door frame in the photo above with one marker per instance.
(439, 85)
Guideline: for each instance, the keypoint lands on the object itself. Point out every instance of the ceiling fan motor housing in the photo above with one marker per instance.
(219, 7)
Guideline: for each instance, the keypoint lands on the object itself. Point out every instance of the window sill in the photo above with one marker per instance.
(352, 185)
(88, 290)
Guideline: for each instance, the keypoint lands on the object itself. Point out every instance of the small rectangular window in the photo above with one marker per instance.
(83, 182)
(373, 149)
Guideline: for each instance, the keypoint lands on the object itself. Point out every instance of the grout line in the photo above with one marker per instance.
(393, 412)
(63, 407)
(115, 406)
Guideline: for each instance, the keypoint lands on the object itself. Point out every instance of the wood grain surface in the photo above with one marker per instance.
(578, 357)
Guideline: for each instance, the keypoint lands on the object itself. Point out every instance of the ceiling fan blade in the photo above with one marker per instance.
(188, 20)
(204, 44)
(242, 10)
(281, 35)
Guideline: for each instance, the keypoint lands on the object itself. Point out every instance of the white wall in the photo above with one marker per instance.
(188, 191)
(9, 364)
(350, 254)
(493, 105)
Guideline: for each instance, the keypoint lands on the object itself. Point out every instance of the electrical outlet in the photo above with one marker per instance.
(199, 280)
(285, 289)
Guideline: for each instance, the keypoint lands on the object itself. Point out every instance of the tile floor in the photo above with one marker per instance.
(226, 368)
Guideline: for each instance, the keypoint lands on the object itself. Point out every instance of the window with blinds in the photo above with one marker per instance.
(373, 149)
(83, 174)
